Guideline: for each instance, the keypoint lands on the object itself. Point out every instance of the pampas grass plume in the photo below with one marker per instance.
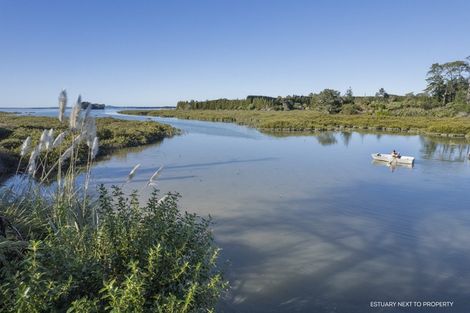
(75, 114)
(59, 139)
(94, 148)
(25, 147)
(67, 153)
(62, 104)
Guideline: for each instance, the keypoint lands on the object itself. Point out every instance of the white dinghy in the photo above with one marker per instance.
(384, 157)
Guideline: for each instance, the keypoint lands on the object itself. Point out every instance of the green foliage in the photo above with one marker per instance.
(350, 109)
(382, 94)
(348, 96)
(329, 100)
(447, 94)
(113, 133)
(250, 103)
(149, 258)
(310, 120)
(447, 80)
(64, 250)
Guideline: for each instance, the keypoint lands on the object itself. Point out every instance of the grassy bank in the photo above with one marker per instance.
(315, 121)
(114, 134)
(67, 248)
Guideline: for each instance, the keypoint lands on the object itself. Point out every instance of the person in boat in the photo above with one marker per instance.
(395, 154)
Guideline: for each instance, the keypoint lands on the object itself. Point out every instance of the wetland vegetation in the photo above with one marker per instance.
(442, 109)
(113, 133)
(316, 121)
(66, 248)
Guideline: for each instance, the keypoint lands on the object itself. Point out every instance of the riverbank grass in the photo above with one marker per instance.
(66, 248)
(113, 133)
(304, 120)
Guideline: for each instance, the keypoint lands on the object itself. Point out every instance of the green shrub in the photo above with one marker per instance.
(350, 109)
(64, 250)
(4, 132)
(11, 143)
(149, 258)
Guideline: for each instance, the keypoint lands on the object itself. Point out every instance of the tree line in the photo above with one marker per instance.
(447, 94)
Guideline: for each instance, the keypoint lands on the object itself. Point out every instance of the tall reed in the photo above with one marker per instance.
(64, 249)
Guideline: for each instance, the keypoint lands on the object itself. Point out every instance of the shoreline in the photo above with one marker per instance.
(116, 134)
(310, 122)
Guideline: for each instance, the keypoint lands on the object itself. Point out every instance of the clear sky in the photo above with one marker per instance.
(158, 52)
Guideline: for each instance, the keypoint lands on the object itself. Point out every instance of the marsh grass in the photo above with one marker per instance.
(304, 120)
(66, 249)
(114, 134)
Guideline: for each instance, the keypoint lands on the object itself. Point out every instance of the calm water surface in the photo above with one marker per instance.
(309, 223)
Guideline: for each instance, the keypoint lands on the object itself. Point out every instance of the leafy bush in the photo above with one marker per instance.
(330, 101)
(64, 250)
(137, 258)
(350, 108)
(11, 143)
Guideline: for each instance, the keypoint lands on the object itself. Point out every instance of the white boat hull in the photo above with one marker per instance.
(383, 157)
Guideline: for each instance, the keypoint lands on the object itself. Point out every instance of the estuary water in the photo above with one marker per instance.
(308, 223)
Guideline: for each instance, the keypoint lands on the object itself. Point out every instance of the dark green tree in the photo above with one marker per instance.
(468, 83)
(348, 96)
(382, 94)
(447, 79)
(436, 82)
(330, 101)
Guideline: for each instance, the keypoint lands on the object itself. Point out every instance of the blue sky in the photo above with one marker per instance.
(158, 52)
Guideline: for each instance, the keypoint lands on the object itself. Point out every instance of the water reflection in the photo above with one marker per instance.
(326, 138)
(438, 148)
(346, 137)
(392, 166)
(121, 154)
(309, 224)
(452, 150)
(357, 248)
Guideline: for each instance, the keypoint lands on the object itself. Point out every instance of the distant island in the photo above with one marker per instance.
(94, 106)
